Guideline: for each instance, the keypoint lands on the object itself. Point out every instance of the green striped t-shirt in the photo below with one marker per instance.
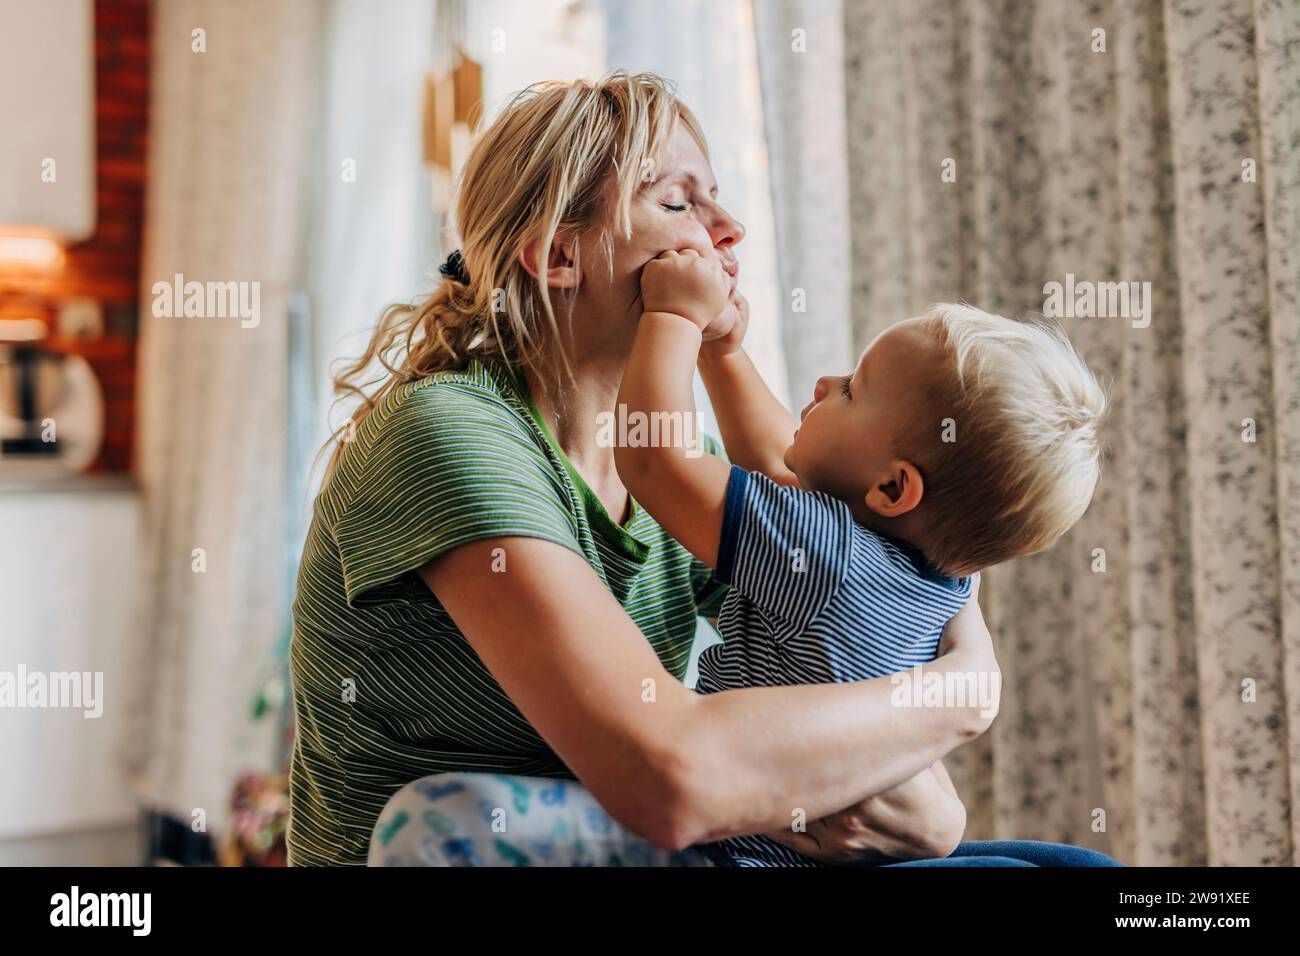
(386, 688)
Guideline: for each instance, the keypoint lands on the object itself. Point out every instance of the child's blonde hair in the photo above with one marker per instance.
(560, 157)
(1025, 454)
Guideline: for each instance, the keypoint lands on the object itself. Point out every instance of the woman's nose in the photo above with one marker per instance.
(724, 229)
(821, 388)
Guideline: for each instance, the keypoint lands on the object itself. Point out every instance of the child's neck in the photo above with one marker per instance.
(905, 528)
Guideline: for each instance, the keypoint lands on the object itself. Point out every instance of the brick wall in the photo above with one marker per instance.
(106, 266)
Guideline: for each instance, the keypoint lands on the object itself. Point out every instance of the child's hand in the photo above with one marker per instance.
(686, 284)
(919, 819)
(728, 331)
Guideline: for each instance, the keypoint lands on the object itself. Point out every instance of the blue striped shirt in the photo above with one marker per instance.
(815, 598)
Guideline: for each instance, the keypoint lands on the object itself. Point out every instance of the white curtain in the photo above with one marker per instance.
(707, 49)
(229, 138)
(288, 154)
(801, 60)
(374, 229)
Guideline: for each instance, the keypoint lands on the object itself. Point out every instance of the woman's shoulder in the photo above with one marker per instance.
(456, 426)
(437, 463)
(472, 404)
(481, 388)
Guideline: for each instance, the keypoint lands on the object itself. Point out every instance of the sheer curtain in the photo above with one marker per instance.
(230, 122)
(708, 50)
(374, 227)
(801, 59)
(288, 153)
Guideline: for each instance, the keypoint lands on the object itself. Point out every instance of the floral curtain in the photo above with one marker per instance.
(1151, 660)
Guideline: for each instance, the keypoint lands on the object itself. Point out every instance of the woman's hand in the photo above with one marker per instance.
(968, 645)
(919, 819)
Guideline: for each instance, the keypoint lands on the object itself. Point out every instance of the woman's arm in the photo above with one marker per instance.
(941, 775)
(678, 767)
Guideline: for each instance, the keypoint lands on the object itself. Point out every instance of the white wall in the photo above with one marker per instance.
(67, 573)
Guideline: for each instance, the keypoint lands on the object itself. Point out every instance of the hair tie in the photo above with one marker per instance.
(454, 268)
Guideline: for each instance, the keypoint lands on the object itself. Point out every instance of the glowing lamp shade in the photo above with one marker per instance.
(22, 330)
(35, 253)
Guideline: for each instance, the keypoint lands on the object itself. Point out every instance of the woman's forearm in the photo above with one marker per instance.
(945, 780)
(879, 743)
(763, 754)
(756, 428)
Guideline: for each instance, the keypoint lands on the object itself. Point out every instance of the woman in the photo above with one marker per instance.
(480, 598)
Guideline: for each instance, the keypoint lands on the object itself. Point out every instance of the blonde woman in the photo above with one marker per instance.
(483, 614)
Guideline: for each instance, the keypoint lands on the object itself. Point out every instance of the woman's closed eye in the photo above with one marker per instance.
(844, 387)
(674, 207)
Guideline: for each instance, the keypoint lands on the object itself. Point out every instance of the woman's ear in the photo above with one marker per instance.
(899, 494)
(562, 270)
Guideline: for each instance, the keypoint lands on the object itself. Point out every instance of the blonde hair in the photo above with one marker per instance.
(1027, 454)
(545, 166)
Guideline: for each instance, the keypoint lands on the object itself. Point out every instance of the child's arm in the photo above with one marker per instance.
(756, 428)
(680, 486)
(921, 818)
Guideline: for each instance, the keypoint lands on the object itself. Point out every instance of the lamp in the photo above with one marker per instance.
(21, 251)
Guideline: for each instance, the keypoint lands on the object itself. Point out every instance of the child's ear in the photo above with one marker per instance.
(899, 493)
(561, 263)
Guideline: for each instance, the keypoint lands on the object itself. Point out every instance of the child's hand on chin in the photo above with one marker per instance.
(725, 333)
(686, 284)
